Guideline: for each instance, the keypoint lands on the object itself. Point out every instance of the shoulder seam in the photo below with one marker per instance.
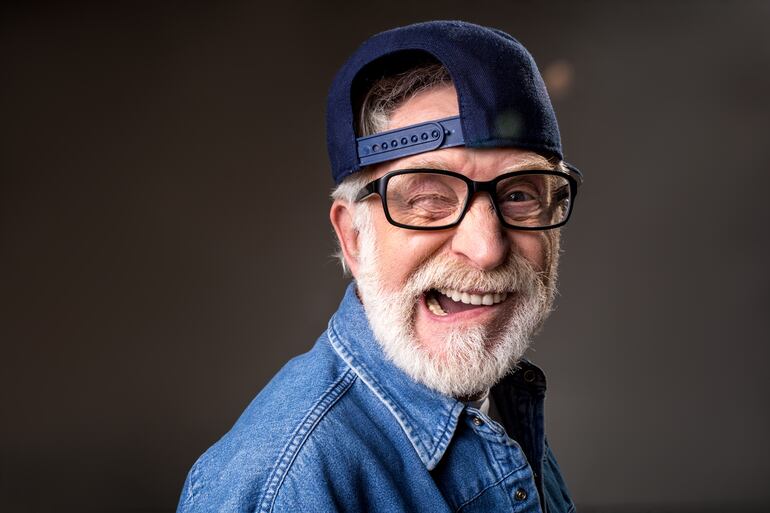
(300, 435)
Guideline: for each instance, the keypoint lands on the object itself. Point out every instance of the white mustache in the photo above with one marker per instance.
(441, 272)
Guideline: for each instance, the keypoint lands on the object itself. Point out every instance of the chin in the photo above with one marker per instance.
(457, 359)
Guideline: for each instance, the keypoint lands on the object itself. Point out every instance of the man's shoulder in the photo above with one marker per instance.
(305, 424)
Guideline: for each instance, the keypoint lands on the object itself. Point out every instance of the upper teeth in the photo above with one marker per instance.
(474, 299)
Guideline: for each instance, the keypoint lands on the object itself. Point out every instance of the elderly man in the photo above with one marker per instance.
(451, 189)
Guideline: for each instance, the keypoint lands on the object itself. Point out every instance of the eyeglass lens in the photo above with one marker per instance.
(433, 200)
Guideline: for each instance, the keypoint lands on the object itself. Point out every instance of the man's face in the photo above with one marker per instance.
(457, 348)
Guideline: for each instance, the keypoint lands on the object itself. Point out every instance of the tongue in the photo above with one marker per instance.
(450, 306)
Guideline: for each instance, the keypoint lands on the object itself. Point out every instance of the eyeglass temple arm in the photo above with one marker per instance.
(368, 189)
(575, 173)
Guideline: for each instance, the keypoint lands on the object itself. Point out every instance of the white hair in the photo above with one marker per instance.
(388, 93)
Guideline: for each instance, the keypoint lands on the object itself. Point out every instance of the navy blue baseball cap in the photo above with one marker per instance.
(502, 99)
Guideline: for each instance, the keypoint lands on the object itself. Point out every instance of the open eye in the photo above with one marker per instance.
(521, 192)
(520, 200)
(519, 195)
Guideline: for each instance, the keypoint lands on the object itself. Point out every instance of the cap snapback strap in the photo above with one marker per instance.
(410, 140)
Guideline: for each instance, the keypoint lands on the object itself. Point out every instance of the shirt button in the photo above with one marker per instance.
(520, 494)
(478, 421)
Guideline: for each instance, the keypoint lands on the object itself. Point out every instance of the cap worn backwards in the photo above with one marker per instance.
(502, 99)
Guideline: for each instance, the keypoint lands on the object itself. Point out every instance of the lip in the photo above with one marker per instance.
(473, 314)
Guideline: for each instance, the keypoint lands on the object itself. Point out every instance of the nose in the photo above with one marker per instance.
(480, 238)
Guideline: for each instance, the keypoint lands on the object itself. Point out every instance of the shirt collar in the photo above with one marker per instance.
(427, 417)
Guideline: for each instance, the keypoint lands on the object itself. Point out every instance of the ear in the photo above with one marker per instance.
(341, 216)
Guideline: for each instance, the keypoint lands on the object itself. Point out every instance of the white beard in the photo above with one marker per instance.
(473, 358)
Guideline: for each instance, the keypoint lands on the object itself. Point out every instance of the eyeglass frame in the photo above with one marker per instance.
(380, 185)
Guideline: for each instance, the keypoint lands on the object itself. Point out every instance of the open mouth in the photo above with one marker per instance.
(442, 302)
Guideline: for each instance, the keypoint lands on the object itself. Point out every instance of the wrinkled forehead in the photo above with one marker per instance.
(435, 103)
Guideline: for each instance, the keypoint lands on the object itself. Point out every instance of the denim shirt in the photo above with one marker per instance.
(341, 428)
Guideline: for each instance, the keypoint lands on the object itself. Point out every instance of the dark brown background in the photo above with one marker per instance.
(164, 243)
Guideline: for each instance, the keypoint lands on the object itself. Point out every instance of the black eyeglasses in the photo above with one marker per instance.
(432, 199)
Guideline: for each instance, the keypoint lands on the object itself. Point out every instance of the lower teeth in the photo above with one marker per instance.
(434, 306)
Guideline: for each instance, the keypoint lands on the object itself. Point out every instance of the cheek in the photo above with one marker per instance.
(402, 251)
(536, 247)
